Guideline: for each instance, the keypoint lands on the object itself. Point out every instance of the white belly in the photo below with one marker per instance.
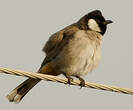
(79, 56)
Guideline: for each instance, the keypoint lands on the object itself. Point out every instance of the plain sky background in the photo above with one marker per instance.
(25, 26)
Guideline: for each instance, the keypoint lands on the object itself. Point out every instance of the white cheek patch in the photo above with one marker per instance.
(93, 25)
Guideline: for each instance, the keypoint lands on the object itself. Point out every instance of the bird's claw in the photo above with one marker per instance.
(69, 80)
(82, 83)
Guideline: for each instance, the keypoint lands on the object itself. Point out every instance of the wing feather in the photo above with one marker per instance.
(57, 42)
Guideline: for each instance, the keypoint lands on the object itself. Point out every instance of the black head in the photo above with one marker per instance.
(94, 21)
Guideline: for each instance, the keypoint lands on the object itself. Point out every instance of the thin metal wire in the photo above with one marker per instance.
(64, 80)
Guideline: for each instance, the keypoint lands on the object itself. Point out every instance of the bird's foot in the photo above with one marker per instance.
(82, 81)
(70, 79)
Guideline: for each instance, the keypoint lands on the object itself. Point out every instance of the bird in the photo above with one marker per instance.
(73, 51)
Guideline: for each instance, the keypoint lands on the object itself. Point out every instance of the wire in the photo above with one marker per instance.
(64, 80)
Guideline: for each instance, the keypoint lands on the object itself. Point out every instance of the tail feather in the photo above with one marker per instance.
(20, 91)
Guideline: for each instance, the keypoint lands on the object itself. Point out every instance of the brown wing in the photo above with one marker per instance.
(57, 41)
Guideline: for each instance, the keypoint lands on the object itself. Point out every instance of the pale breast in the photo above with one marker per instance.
(81, 55)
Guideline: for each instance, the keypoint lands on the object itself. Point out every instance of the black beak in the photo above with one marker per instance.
(107, 22)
